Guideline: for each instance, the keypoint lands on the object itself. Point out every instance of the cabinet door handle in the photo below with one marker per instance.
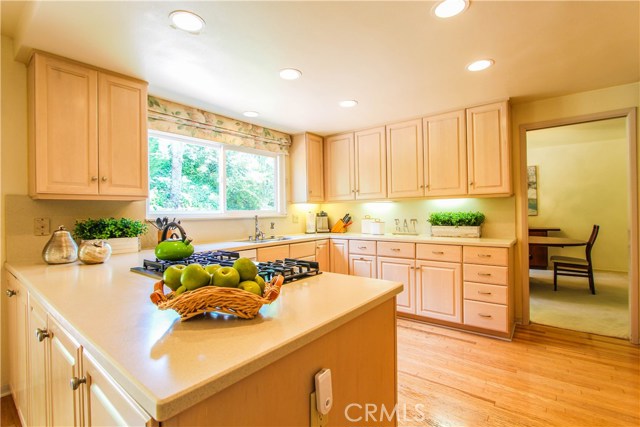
(486, 316)
(41, 334)
(484, 293)
(11, 292)
(484, 255)
(437, 252)
(484, 274)
(471, 183)
(75, 382)
(104, 179)
(94, 178)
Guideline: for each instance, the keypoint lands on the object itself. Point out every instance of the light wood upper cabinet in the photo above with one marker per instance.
(488, 150)
(87, 132)
(307, 168)
(122, 155)
(405, 159)
(370, 156)
(445, 154)
(339, 174)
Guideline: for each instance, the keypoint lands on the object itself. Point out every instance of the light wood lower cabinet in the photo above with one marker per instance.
(439, 290)
(46, 360)
(273, 253)
(362, 265)
(339, 255)
(400, 270)
(17, 319)
(322, 254)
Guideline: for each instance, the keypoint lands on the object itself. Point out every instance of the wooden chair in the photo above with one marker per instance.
(568, 266)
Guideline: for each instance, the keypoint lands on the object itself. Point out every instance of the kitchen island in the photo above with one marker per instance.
(219, 370)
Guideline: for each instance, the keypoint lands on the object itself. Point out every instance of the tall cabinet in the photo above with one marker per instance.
(87, 132)
(307, 173)
(405, 163)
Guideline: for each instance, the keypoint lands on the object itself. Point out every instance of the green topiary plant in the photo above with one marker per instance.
(456, 219)
(108, 228)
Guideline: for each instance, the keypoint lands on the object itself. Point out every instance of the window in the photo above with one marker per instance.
(198, 178)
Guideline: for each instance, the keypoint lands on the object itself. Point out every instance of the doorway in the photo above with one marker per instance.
(629, 116)
(578, 176)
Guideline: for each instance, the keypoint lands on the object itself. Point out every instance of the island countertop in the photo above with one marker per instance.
(167, 365)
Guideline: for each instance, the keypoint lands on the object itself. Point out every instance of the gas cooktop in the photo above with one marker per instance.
(291, 269)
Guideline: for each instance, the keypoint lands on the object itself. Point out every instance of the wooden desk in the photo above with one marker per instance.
(538, 255)
(560, 242)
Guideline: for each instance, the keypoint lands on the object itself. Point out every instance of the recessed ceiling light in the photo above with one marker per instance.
(480, 65)
(186, 21)
(251, 113)
(348, 103)
(449, 8)
(290, 74)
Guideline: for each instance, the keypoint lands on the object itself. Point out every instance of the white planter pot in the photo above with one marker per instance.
(450, 231)
(124, 245)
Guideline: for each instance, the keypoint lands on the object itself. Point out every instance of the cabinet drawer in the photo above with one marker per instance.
(488, 293)
(300, 250)
(485, 274)
(273, 253)
(362, 247)
(397, 249)
(449, 253)
(486, 255)
(486, 315)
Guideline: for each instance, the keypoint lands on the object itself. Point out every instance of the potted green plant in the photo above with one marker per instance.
(122, 234)
(456, 224)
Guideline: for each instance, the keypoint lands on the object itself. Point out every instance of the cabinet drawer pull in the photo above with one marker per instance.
(484, 274)
(11, 292)
(437, 252)
(362, 247)
(395, 249)
(484, 293)
(41, 334)
(75, 382)
(484, 255)
(486, 316)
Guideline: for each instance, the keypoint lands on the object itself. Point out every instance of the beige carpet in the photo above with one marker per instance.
(573, 307)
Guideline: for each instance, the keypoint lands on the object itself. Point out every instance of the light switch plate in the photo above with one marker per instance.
(41, 227)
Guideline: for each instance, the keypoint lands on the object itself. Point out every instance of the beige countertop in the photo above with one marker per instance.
(422, 238)
(167, 365)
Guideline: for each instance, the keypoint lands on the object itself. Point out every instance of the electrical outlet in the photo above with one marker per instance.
(41, 227)
(294, 218)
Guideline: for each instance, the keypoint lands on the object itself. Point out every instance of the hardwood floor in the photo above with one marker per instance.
(8, 413)
(545, 377)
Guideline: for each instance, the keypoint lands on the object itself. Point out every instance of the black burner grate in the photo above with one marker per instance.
(291, 269)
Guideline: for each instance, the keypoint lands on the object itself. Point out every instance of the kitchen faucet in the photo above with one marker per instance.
(259, 235)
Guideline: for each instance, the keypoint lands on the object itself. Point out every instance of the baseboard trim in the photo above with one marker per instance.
(5, 390)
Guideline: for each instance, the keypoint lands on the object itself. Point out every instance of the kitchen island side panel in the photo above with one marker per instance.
(362, 357)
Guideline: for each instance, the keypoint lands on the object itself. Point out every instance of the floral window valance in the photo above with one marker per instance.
(168, 116)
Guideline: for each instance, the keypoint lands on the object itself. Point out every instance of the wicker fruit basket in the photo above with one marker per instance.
(234, 301)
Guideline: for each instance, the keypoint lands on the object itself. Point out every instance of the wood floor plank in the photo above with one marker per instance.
(545, 377)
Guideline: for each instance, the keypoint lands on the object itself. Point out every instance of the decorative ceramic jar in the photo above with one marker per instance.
(94, 251)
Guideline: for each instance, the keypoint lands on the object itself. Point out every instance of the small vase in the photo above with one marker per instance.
(94, 251)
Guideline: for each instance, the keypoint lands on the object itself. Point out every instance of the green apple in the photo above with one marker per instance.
(260, 281)
(171, 276)
(211, 268)
(246, 268)
(226, 277)
(250, 286)
(194, 276)
(180, 290)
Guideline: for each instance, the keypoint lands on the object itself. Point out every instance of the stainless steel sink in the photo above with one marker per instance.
(266, 240)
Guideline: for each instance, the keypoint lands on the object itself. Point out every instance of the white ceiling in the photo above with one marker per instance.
(395, 58)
